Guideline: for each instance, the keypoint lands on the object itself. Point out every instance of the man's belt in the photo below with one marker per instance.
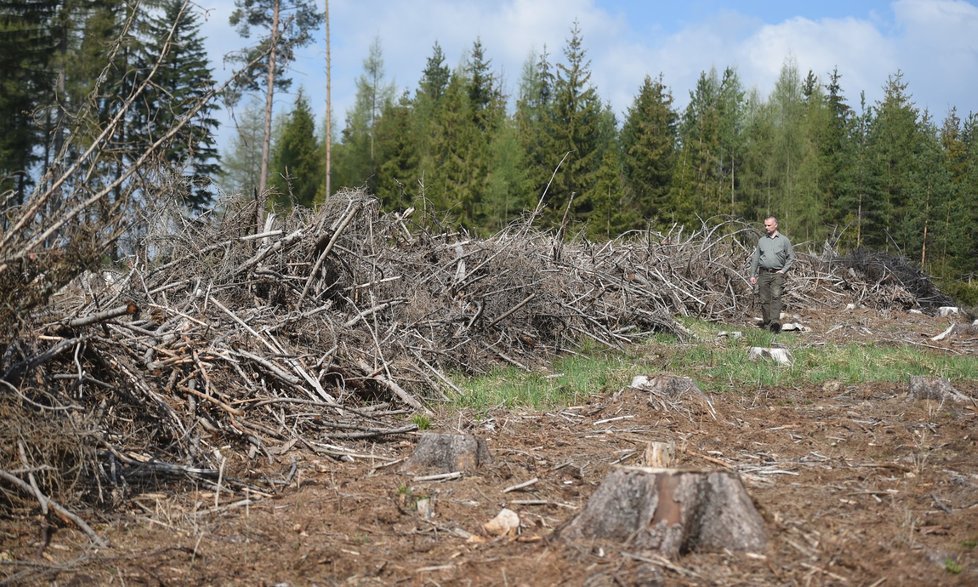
(766, 270)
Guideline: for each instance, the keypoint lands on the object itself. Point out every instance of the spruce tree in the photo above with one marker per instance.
(697, 184)
(533, 119)
(893, 138)
(27, 40)
(577, 127)
(397, 148)
(241, 164)
(297, 170)
(839, 156)
(425, 109)
(183, 81)
(648, 140)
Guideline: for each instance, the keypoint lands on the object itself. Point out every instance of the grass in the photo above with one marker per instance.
(715, 366)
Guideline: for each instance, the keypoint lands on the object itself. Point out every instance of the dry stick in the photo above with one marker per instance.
(437, 373)
(347, 217)
(440, 476)
(57, 507)
(265, 251)
(319, 389)
(211, 399)
(301, 370)
(523, 485)
(128, 309)
(539, 206)
(30, 477)
(379, 307)
(393, 386)
(509, 312)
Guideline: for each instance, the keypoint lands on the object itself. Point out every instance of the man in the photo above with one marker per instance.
(772, 258)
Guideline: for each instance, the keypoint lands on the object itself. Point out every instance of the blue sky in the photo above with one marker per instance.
(933, 42)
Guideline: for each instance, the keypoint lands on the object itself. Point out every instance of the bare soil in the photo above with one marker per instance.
(858, 485)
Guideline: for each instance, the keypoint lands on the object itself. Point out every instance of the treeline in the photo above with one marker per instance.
(886, 175)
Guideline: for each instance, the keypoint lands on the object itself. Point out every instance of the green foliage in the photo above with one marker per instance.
(952, 566)
(357, 158)
(241, 165)
(182, 84)
(297, 170)
(648, 144)
(964, 293)
(576, 127)
(26, 62)
(422, 421)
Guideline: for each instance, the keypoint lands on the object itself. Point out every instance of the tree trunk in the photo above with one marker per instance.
(671, 511)
(266, 146)
(329, 107)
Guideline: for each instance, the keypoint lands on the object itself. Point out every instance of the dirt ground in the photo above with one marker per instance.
(857, 485)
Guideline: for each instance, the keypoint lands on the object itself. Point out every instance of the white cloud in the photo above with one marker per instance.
(856, 48)
(938, 52)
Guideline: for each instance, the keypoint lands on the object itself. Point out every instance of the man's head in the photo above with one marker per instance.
(770, 225)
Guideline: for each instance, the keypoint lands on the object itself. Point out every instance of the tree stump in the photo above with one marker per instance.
(669, 391)
(936, 388)
(659, 455)
(671, 511)
(447, 453)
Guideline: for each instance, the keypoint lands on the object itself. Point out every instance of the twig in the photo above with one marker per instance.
(57, 507)
(440, 476)
(128, 309)
(520, 486)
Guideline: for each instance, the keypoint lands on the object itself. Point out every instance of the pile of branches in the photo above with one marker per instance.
(897, 273)
(321, 328)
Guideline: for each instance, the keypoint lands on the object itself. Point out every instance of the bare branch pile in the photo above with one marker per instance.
(325, 327)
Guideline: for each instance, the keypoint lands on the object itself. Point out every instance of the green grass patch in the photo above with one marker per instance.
(570, 381)
(715, 366)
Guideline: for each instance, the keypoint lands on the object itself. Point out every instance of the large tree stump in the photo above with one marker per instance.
(447, 453)
(671, 511)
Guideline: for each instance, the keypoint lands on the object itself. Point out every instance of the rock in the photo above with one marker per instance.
(778, 355)
(506, 522)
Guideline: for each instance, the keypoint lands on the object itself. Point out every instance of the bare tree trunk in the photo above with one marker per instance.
(329, 107)
(269, 95)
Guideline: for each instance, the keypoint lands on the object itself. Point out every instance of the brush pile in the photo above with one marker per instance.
(219, 343)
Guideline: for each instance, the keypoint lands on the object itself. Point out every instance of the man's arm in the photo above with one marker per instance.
(755, 259)
(789, 255)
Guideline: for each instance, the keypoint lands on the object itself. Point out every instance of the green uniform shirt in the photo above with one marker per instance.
(772, 252)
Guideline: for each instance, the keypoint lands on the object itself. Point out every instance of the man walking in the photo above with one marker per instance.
(772, 258)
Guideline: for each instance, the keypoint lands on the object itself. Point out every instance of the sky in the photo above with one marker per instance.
(934, 43)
